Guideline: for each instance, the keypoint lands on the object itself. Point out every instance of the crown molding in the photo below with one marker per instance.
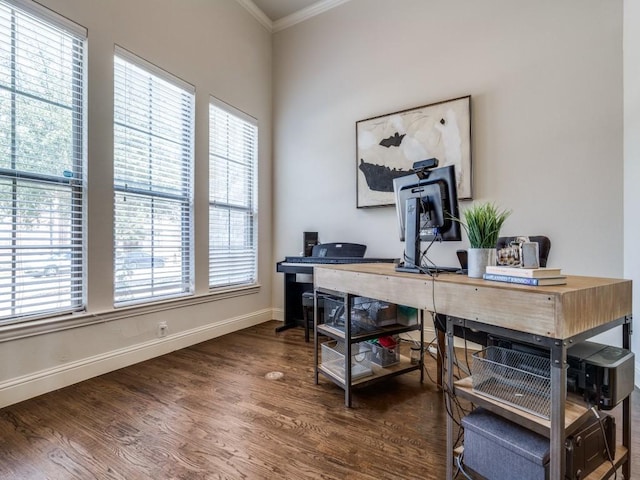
(317, 8)
(305, 14)
(258, 14)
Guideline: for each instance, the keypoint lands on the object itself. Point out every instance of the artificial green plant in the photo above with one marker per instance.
(483, 222)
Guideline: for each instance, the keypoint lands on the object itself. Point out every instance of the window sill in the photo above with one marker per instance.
(41, 326)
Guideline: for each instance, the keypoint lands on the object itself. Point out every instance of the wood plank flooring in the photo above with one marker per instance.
(208, 412)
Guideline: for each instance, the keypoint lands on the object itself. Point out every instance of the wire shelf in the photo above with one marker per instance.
(516, 378)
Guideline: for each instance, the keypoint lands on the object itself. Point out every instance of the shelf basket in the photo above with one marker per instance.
(333, 359)
(516, 378)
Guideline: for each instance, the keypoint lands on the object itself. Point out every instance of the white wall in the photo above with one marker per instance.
(223, 51)
(546, 84)
(632, 156)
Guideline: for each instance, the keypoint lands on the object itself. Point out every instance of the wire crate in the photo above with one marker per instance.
(385, 356)
(516, 378)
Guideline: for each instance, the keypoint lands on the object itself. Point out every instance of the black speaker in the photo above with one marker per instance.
(309, 241)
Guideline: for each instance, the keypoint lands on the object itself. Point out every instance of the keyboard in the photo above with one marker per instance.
(443, 269)
(430, 269)
(337, 260)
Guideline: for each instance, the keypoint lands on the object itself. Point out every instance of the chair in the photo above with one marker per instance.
(326, 250)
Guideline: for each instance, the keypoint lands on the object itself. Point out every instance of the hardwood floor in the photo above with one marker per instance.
(209, 412)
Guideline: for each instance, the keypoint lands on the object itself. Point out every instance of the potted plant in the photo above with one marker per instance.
(482, 222)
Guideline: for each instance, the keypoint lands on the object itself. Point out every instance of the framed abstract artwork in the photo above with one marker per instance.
(388, 145)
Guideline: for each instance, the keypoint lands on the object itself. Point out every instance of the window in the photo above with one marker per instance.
(153, 150)
(233, 139)
(42, 155)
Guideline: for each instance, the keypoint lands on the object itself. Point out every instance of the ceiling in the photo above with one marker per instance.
(278, 9)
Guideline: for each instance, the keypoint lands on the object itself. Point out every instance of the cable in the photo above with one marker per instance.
(459, 464)
(466, 351)
(422, 262)
(606, 441)
(453, 407)
(424, 258)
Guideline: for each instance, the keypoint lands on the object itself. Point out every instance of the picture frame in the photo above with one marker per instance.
(388, 145)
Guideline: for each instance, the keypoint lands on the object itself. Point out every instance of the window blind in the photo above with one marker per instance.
(233, 138)
(42, 155)
(153, 157)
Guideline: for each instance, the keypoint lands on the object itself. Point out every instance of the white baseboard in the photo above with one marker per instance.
(278, 314)
(48, 380)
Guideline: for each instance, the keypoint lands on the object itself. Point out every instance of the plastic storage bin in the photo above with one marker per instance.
(333, 359)
(367, 315)
(406, 316)
(381, 313)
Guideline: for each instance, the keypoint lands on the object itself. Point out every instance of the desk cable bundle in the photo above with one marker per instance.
(453, 407)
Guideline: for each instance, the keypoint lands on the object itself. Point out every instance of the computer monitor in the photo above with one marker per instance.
(426, 205)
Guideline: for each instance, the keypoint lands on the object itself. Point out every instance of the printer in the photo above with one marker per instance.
(602, 374)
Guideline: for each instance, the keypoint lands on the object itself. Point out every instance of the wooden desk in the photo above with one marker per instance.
(553, 317)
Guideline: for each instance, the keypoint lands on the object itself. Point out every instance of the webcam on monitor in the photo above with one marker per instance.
(420, 167)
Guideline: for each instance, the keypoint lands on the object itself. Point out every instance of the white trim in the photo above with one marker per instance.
(305, 14)
(258, 14)
(140, 62)
(43, 13)
(278, 314)
(48, 380)
(290, 20)
(44, 326)
(233, 111)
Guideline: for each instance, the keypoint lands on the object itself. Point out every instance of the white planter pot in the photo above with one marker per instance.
(478, 259)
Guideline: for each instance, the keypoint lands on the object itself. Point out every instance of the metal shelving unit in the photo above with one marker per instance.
(378, 373)
(567, 412)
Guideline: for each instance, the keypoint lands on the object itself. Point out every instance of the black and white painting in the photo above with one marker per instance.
(387, 146)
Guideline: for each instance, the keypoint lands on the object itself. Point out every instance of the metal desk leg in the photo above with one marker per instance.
(558, 404)
(626, 408)
(440, 351)
(448, 391)
(315, 334)
(421, 320)
(347, 350)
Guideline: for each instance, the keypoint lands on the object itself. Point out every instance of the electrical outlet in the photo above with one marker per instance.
(163, 329)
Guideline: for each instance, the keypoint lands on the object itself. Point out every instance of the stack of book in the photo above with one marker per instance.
(525, 276)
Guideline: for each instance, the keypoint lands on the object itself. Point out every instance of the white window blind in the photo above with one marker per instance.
(153, 150)
(233, 139)
(42, 190)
